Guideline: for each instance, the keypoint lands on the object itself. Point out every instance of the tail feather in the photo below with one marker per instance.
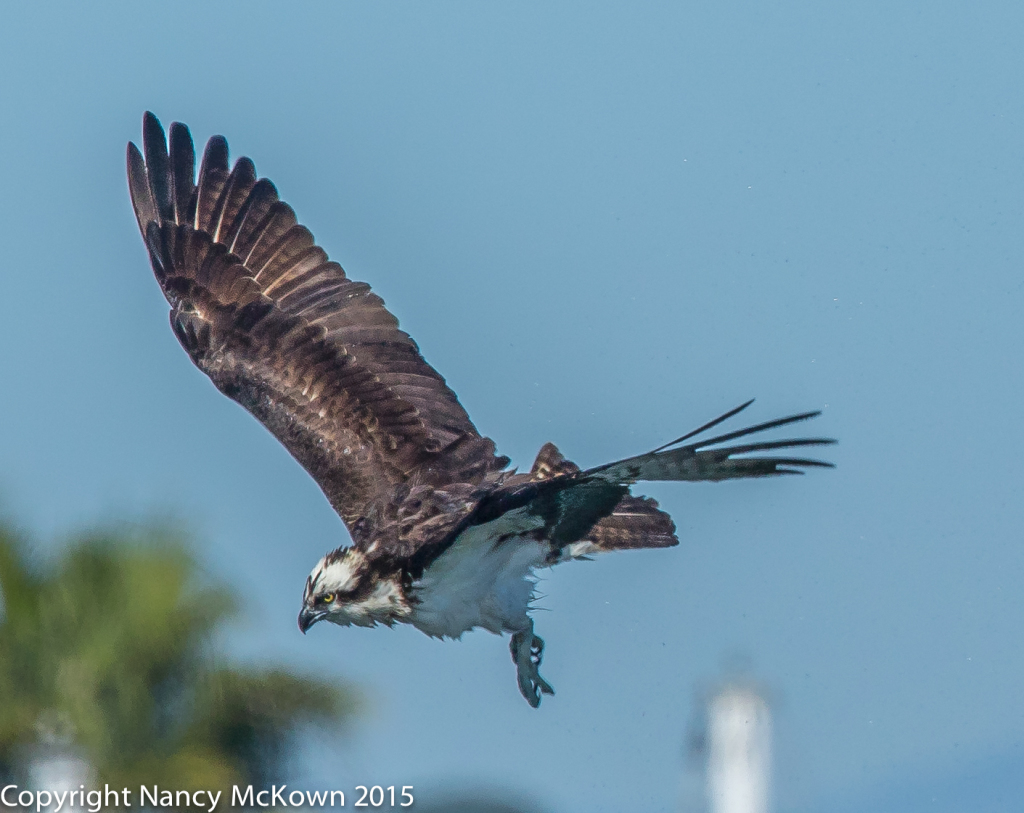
(636, 522)
(699, 461)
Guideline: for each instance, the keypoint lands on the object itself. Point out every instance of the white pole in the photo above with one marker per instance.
(739, 751)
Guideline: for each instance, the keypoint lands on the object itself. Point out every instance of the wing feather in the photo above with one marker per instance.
(312, 354)
(213, 174)
(183, 167)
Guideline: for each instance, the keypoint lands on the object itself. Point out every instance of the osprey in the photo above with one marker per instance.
(444, 535)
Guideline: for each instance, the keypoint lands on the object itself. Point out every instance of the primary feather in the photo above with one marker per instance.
(314, 355)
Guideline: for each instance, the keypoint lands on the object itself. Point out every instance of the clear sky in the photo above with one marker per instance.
(604, 224)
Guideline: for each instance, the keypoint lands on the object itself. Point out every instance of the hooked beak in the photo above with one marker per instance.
(308, 617)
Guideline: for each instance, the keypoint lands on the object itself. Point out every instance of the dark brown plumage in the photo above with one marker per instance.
(317, 358)
(313, 355)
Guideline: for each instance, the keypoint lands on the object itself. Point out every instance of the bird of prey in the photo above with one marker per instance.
(444, 536)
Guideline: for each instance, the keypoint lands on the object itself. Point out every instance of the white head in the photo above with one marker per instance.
(345, 588)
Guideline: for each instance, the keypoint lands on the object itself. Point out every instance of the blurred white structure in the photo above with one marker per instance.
(57, 768)
(739, 733)
(58, 772)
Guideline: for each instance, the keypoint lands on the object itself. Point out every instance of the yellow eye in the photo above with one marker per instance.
(327, 598)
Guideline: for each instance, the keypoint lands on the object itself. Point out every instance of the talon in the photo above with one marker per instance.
(527, 650)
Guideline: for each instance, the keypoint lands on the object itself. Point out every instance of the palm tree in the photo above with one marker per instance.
(106, 652)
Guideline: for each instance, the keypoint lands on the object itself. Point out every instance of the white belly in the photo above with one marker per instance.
(480, 582)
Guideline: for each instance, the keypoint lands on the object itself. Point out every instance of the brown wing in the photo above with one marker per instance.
(279, 328)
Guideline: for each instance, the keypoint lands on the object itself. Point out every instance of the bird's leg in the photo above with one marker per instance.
(527, 649)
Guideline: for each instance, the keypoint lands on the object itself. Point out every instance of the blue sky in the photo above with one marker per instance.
(604, 224)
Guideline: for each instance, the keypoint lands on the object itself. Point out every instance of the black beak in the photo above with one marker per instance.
(308, 617)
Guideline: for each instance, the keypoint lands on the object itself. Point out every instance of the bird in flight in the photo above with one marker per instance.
(445, 536)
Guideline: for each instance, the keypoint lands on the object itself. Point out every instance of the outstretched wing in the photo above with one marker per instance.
(283, 331)
(595, 507)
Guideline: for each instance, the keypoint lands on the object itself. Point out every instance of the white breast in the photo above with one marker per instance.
(481, 581)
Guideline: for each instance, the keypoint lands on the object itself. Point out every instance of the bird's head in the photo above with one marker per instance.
(345, 588)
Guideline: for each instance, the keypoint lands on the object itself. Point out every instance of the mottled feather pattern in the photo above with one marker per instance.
(636, 522)
(550, 463)
(281, 329)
